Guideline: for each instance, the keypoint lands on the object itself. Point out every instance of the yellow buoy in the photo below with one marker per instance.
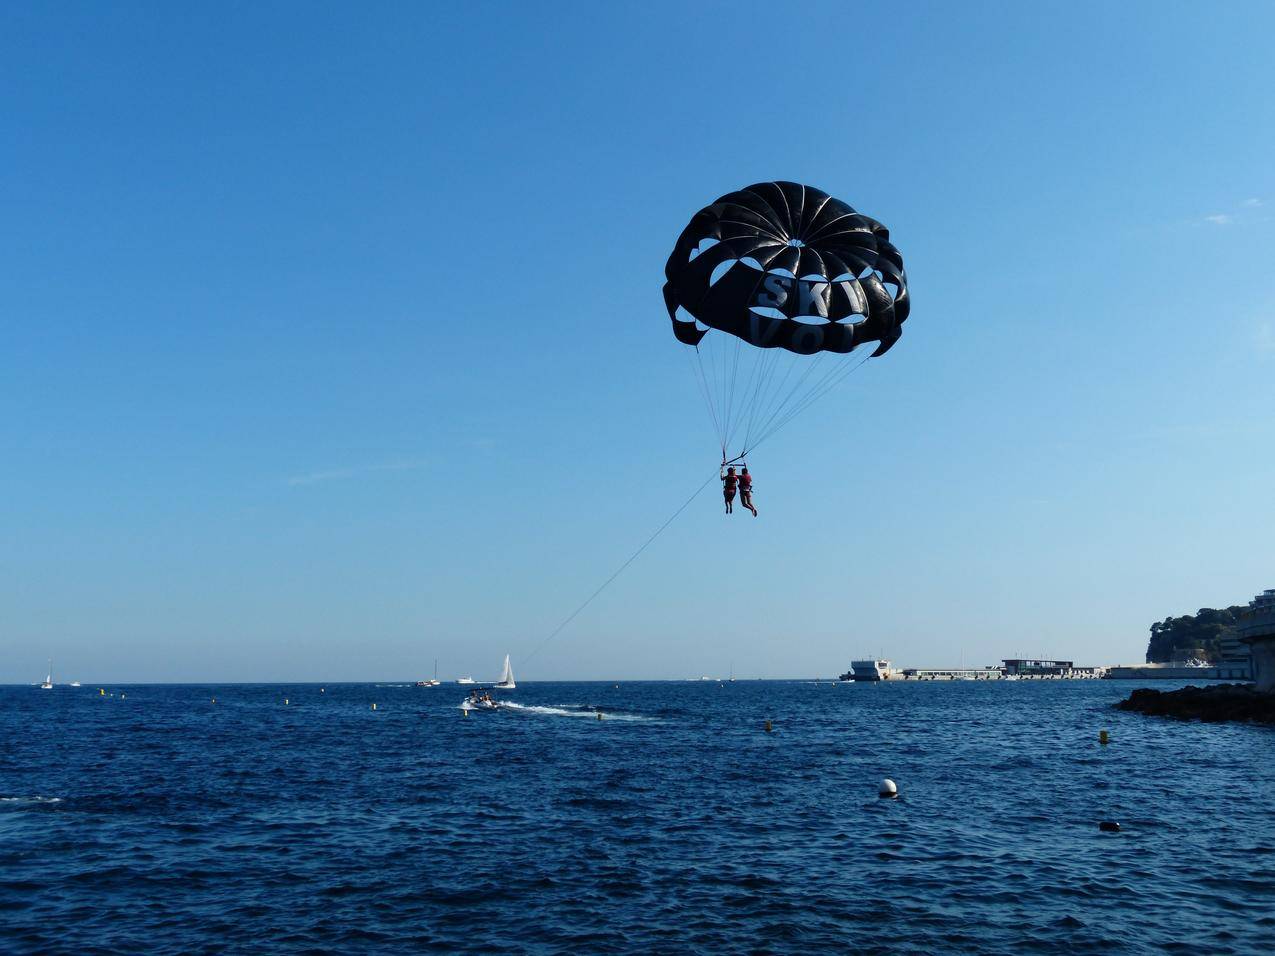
(374, 706)
(122, 696)
(285, 701)
(1103, 737)
(101, 691)
(323, 690)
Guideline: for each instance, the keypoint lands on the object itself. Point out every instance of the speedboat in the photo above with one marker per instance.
(474, 702)
(465, 680)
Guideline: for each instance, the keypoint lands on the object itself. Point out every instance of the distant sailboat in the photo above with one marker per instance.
(506, 681)
(431, 683)
(48, 681)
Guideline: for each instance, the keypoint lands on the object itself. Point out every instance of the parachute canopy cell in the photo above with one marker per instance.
(781, 265)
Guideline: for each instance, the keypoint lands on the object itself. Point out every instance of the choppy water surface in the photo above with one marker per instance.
(161, 822)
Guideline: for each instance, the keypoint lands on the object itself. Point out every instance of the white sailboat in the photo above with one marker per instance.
(433, 682)
(48, 681)
(506, 681)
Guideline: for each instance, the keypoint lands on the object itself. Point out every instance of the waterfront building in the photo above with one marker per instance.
(1022, 667)
(1257, 630)
(1235, 660)
(951, 673)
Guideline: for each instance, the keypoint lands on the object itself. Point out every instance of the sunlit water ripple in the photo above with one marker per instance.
(162, 822)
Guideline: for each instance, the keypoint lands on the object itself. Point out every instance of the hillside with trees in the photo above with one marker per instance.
(1192, 635)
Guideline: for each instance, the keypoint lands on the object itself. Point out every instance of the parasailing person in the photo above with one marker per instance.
(730, 482)
(746, 490)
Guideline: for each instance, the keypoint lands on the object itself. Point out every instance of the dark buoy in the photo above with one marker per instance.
(1103, 737)
(1109, 826)
(888, 790)
(769, 728)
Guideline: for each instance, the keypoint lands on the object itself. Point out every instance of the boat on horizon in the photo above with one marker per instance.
(506, 681)
(433, 681)
(869, 670)
(465, 680)
(48, 681)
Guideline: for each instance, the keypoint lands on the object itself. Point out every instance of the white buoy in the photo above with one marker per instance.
(888, 790)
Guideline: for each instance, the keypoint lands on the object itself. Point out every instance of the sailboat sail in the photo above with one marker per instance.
(506, 681)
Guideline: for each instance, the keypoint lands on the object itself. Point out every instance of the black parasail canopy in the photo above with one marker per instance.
(781, 265)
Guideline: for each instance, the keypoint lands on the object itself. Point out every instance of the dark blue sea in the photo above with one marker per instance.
(154, 820)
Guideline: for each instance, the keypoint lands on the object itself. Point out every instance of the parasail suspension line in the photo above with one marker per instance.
(620, 570)
(697, 369)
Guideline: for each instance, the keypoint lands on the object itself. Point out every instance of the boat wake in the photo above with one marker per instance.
(19, 802)
(570, 710)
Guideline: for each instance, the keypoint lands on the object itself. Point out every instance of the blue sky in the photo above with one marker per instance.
(331, 336)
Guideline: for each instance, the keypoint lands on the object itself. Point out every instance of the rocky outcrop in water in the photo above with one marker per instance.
(1224, 702)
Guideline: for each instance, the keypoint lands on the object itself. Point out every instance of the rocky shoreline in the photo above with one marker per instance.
(1223, 702)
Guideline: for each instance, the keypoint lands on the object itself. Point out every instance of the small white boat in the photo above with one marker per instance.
(465, 680)
(75, 683)
(506, 681)
(434, 681)
(48, 681)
